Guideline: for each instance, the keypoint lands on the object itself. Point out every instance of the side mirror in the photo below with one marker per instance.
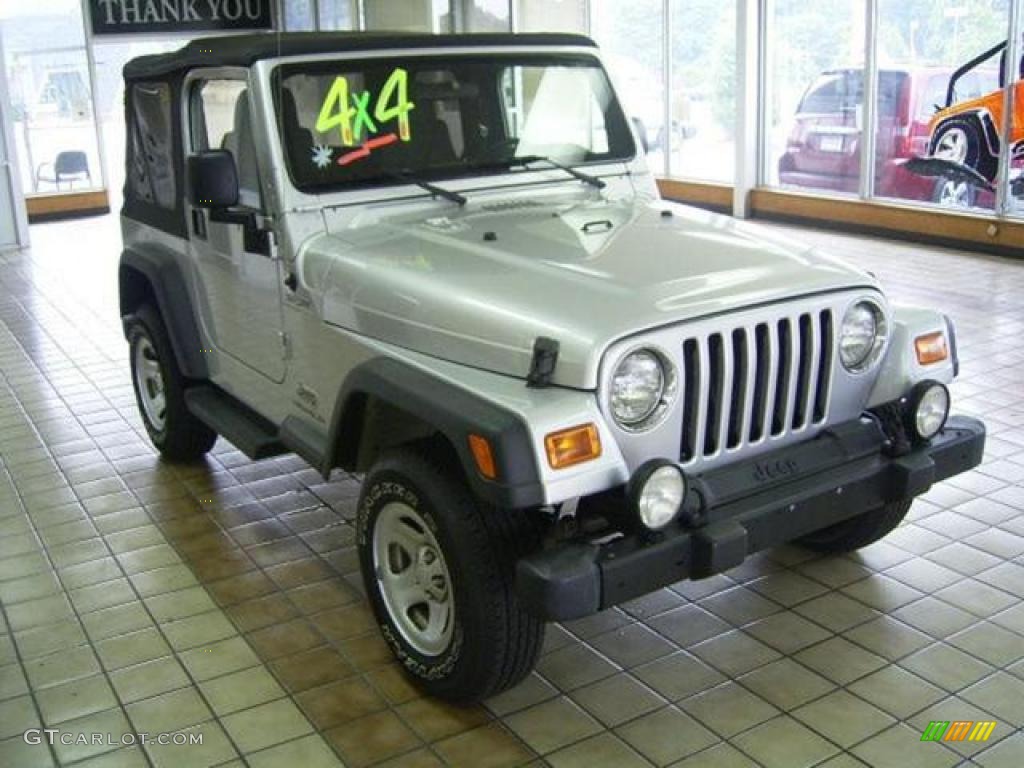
(213, 179)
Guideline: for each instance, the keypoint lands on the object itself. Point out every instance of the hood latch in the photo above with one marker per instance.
(542, 365)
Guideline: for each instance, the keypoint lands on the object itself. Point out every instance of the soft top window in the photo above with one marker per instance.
(344, 123)
(150, 177)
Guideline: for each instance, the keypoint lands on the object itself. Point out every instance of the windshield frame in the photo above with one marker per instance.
(524, 56)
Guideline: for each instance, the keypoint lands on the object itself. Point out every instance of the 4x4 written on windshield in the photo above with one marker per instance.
(350, 112)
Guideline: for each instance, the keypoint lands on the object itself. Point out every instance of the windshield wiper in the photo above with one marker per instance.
(586, 178)
(447, 194)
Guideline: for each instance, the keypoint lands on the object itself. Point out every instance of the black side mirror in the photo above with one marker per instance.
(213, 179)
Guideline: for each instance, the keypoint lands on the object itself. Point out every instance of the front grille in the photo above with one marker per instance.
(755, 382)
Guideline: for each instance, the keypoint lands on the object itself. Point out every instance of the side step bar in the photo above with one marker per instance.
(253, 435)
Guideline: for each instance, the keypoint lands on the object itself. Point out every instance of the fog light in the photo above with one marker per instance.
(656, 491)
(928, 408)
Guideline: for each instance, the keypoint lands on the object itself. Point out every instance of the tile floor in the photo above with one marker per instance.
(220, 599)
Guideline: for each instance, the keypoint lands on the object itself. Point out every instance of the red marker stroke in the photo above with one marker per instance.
(367, 148)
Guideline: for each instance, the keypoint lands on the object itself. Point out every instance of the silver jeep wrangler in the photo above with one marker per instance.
(441, 261)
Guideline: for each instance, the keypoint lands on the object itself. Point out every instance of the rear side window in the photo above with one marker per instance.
(836, 93)
(150, 176)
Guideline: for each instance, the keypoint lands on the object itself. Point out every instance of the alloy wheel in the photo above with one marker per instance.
(953, 146)
(150, 383)
(955, 194)
(413, 576)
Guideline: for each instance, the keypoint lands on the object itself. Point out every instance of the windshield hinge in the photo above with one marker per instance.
(265, 226)
(286, 345)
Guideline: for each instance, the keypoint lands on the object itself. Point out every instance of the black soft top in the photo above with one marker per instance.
(244, 50)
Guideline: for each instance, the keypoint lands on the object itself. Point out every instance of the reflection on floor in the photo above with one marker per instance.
(222, 599)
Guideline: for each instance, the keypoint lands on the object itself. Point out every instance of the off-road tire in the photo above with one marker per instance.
(183, 437)
(978, 157)
(495, 643)
(858, 532)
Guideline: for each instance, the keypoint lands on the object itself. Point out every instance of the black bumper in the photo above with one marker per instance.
(747, 507)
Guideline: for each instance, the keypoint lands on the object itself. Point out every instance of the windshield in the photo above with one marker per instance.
(345, 123)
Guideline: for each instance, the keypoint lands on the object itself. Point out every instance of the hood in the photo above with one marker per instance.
(478, 285)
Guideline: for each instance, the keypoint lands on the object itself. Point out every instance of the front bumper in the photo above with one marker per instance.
(746, 507)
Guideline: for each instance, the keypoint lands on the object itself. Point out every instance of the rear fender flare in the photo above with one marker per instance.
(157, 273)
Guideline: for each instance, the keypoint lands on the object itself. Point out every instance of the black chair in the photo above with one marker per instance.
(70, 166)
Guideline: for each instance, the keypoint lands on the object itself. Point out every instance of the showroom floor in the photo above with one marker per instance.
(221, 598)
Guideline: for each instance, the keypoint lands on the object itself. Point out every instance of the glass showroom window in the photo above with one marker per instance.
(551, 16)
(337, 14)
(298, 15)
(51, 99)
(486, 15)
(703, 92)
(926, 106)
(631, 36)
(421, 16)
(1015, 177)
(815, 94)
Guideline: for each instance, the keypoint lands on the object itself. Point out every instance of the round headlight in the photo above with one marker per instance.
(929, 408)
(657, 491)
(861, 336)
(637, 387)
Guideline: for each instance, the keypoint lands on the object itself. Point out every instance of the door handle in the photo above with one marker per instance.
(603, 225)
(199, 223)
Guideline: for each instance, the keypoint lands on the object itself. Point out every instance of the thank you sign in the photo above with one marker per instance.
(120, 17)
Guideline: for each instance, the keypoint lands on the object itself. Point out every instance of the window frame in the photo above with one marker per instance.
(195, 77)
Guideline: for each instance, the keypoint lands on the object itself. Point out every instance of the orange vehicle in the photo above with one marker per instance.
(970, 133)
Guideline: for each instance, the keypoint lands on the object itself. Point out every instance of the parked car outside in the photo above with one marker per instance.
(823, 149)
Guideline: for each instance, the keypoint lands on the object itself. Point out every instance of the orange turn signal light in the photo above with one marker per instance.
(572, 446)
(931, 348)
(483, 456)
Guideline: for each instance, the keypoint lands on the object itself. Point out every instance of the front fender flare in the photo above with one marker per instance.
(900, 370)
(456, 414)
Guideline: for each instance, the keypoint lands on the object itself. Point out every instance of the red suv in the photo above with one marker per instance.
(823, 150)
